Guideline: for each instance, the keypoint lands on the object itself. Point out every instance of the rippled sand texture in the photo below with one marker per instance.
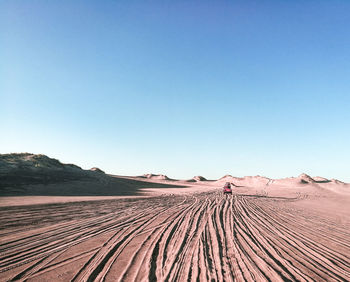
(176, 237)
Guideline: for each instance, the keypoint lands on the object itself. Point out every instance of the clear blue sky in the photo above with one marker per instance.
(179, 87)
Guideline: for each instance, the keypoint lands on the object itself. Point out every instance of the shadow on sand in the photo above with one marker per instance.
(103, 186)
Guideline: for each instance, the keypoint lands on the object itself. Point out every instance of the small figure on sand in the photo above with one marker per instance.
(227, 188)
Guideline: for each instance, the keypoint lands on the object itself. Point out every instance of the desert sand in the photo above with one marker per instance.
(180, 234)
(292, 229)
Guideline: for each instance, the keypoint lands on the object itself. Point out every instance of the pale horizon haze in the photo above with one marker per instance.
(180, 88)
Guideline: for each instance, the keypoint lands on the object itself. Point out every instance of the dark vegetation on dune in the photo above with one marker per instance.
(30, 174)
(26, 169)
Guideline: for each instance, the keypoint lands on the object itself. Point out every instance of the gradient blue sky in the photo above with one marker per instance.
(179, 87)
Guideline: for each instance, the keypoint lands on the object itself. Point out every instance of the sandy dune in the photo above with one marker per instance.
(28, 174)
(257, 234)
(59, 222)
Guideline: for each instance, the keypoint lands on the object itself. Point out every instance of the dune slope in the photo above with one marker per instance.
(38, 175)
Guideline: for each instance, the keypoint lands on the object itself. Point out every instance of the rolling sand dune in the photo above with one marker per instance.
(155, 176)
(38, 175)
(256, 181)
(295, 229)
(320, 179)
(196, 179)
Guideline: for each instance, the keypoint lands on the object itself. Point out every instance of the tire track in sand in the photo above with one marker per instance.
(198, 237)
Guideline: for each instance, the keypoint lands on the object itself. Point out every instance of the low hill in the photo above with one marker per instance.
(303, 180)
(255, 181)
(25, 168)
(155, 176)
(29, 174)
(319, 179)
(197, 178)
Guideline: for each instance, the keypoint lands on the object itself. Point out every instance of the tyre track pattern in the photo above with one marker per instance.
(199, 237)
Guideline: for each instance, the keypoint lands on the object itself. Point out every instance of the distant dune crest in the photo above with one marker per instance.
(96, 169)
(197, 178)
(336, 181)
(155, 176)
(302, 180)
(29, 169)
(246, 180)
(320, 179)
